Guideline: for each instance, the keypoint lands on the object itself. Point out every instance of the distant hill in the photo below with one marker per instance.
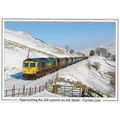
(109, 46)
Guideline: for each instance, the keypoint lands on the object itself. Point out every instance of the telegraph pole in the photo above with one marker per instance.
(28, 53)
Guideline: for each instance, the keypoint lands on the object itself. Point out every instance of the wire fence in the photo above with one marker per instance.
(51, 86)
(19, 92)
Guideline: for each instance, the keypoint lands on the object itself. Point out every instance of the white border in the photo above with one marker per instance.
(62, 20)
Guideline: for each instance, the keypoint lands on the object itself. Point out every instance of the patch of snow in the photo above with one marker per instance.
(45, 94)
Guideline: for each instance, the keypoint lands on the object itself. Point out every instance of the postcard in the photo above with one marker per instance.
(59, 60)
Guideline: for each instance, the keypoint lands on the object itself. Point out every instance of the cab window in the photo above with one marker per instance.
(32, 64)
(25, 64)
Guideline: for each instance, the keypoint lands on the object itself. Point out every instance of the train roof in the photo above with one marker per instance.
(46, 60)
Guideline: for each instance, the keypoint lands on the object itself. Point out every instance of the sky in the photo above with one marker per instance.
(76, 35)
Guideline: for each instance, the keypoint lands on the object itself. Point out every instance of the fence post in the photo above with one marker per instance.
(32, 91)
(29, 91)
(55, 89)
(64, 90)
(46, 85)
(43, 87)
(18, 92)
(35, 90)
(72, 91)
(83, 92)
(26, 91)
(86, 91)
(13, 91)
(23, 90)
(5, 93)
(79, 92)
(39, 88)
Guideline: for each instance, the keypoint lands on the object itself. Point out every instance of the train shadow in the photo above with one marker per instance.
(18, 76)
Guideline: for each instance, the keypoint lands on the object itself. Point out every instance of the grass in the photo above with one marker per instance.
(113, 76)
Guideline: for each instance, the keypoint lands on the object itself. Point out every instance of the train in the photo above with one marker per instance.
(34, 68)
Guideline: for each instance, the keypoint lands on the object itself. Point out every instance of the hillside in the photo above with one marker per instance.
(109, 46)
(17, 45)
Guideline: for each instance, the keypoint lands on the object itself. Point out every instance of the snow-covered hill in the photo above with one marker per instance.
(109, 46)
(17, 45)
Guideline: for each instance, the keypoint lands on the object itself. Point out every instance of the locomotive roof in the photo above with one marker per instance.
(41, 59)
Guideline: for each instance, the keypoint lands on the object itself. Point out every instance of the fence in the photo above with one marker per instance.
(70, 91)
(51, 86)
(73, 90)
(16, 92)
